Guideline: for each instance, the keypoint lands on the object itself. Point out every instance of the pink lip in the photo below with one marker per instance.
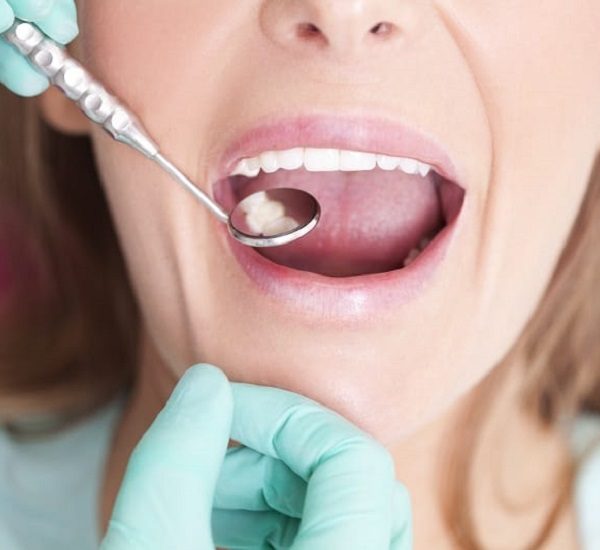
(343, 300)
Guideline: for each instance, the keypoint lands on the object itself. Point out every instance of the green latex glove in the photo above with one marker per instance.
(56, 18)
(305, 477)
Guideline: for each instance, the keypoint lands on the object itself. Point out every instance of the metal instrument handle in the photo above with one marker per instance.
(96, 102)
(79, 85)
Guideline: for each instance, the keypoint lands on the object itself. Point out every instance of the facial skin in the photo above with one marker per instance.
(512, 93)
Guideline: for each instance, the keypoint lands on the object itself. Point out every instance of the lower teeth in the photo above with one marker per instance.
(416, 251)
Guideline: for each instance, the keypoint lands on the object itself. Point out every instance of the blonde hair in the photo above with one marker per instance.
(69, 330)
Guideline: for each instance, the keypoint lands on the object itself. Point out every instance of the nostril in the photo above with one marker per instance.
(383, 29)
(308, 29)
(310, 32)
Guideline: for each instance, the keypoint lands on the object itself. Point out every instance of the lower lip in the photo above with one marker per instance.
(341, 299)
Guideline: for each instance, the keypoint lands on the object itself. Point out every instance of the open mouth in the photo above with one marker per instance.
(379, 212)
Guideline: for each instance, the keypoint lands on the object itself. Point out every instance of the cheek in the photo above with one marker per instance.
(125, 53)
(153, 54)
(540, 78)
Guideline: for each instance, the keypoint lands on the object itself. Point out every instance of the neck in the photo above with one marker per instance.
(514, 460)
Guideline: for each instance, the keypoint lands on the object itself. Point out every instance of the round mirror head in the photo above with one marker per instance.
(274, 217)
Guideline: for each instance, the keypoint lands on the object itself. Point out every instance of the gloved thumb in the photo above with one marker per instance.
(165, 500)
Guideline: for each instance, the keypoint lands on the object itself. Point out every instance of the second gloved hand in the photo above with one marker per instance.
(305, 477)
(56, 18)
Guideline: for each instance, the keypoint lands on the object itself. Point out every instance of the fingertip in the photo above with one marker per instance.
(28, 84)
(32, 10)
(65, 27)
(66, 31)
(208, 371)
(206, 384)
(34, 86)
(7, 16)
(18, 75)
(207, 375)
(56, 18)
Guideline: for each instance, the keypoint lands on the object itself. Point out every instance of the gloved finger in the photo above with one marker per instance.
(17, 74)
(241, 529)
(166, 497)
(402, 529)
(56, 18)
(31, 10)
(7, 16)
(61, 23)
(350, 476)
(256, 482)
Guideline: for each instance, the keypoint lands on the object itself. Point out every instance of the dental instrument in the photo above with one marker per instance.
(264, 219)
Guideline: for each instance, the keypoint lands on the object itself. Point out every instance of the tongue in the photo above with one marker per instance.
(370, 221)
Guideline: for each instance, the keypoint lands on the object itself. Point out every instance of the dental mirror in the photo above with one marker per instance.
(277, 216)
(263, 219)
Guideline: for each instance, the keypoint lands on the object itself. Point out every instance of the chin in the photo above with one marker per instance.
(384, 391)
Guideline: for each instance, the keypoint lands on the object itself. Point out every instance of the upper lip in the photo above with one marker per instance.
(358, 133)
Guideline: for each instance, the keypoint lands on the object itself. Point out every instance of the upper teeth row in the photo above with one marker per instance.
(326, 160)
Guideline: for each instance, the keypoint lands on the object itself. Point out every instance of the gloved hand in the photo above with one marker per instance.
(57, 18)
(305, 477)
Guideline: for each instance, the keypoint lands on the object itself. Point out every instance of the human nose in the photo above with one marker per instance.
(345, 29)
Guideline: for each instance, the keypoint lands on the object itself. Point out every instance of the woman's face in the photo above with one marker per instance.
(510, 93)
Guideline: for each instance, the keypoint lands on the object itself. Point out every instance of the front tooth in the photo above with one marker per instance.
(246, 167)
(410, 166)
(423, 169)
(321, 160)
(292, 159)
(269, 162)
(387, 163)
(240, 168)
(354, 161)
(253, 164)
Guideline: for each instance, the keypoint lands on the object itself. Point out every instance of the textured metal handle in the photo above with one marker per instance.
(92, 98)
